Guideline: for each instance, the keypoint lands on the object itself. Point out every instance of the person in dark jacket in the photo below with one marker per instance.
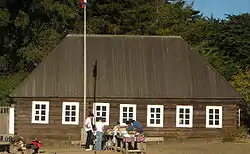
(130, 127)
(137, 125)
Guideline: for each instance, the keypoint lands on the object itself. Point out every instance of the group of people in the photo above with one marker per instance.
(95, 131)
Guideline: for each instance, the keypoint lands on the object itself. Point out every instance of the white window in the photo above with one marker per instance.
(214, 117)
(155, 116)
(70, 113)
(184, 116)
(40, 112)
(127, 113)
(101, 110)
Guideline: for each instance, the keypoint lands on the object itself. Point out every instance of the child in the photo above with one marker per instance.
(116, 130)
(117, 127)
(35, 144)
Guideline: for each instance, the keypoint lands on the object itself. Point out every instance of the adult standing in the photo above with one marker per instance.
(89, 130)
(99, 134)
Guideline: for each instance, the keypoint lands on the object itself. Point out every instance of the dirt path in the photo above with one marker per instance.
(187, 147)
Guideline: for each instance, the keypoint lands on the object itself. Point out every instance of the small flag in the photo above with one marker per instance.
(94, 71)
(83, 3)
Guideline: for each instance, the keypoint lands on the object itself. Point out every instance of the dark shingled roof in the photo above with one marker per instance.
(128, 67)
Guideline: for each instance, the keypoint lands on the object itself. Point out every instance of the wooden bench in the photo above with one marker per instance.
(154, 139)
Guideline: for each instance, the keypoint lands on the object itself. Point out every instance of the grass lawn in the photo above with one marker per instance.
(193, 146)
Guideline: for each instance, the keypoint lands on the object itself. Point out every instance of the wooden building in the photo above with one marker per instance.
(159, 81)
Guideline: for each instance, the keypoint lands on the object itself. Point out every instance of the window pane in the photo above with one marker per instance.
(210, 122)
(98, 114)
(43, 106)
(187, 116)
(181, 115)
(124, 109)
(158, 110)
(181, 121)
(67, 107)
(67, 113)
(73, 113)
(73, 107)
(187, 110)
(211, 117)
(217, 117)
(37, 112)
(37, 106)
(43, 112)
(98, 108)
(104, 119)
(152, 110)
(187, 122)
(130, 118)
(104, 108)
(152, 115)
(104, 114)
(152, 121)
(130, 115)
(216, 122)
(124, 114)
(216, 111)
(124, 120)
(158, 115)
(73, 119)
(158, 121)
(211, 111)
(67, 119)
(130, 109)
(42, 118)
(36, 117)
(181, 110)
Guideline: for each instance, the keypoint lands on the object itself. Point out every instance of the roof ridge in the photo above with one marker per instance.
(109, 35)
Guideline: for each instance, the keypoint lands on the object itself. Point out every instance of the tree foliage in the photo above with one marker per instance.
(241, 82)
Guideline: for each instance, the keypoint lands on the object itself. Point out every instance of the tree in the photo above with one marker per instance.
(241, 82)
(232, 39)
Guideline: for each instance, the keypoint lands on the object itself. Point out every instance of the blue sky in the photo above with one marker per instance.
(220, 7)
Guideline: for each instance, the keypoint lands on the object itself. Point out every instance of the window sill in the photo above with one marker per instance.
(38, 122)
(70, 123)
(155, 126)
(219, 127)
(184, 126)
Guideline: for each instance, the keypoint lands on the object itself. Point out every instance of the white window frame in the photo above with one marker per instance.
(107, 114)
(33, 120)
(149, 115)
(184, 107)
(121, 112)
(76, 122)
(207, 117)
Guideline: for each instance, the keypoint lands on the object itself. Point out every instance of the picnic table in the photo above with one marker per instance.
(109, 144)
(130, 144)
(5, 142)
(4, 146)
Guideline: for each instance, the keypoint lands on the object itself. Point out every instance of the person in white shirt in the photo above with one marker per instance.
(89, 130)
(99, 134)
